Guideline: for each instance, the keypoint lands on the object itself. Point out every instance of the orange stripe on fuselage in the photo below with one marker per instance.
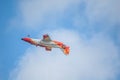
(58, 43)
(65, 48)
(33, 42)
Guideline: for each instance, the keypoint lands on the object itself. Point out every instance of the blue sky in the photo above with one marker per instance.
(90, 27)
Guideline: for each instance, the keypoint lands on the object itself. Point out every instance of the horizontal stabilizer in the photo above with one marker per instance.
(48, 48)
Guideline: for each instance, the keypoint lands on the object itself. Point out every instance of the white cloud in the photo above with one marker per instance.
(36, 12)
(104, 13)
(103, 10)
(95, 59)
(42, 13)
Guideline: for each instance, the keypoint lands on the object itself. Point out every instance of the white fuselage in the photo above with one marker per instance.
(45, 43)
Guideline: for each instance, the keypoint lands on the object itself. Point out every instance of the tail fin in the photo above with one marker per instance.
(66, 50)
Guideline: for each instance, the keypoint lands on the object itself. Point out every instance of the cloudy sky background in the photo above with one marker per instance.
(90, 27)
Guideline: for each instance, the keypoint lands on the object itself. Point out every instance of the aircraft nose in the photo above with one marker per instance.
(26, 39)
(22, 39)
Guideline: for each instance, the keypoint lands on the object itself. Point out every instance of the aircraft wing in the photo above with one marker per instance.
(48, 48)
(46, 38)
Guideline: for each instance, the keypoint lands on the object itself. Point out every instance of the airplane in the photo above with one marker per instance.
(47, 43)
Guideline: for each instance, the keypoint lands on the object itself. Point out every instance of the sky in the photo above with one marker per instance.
(90, 27)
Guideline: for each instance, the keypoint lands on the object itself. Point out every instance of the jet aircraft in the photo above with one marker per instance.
(47, 43)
